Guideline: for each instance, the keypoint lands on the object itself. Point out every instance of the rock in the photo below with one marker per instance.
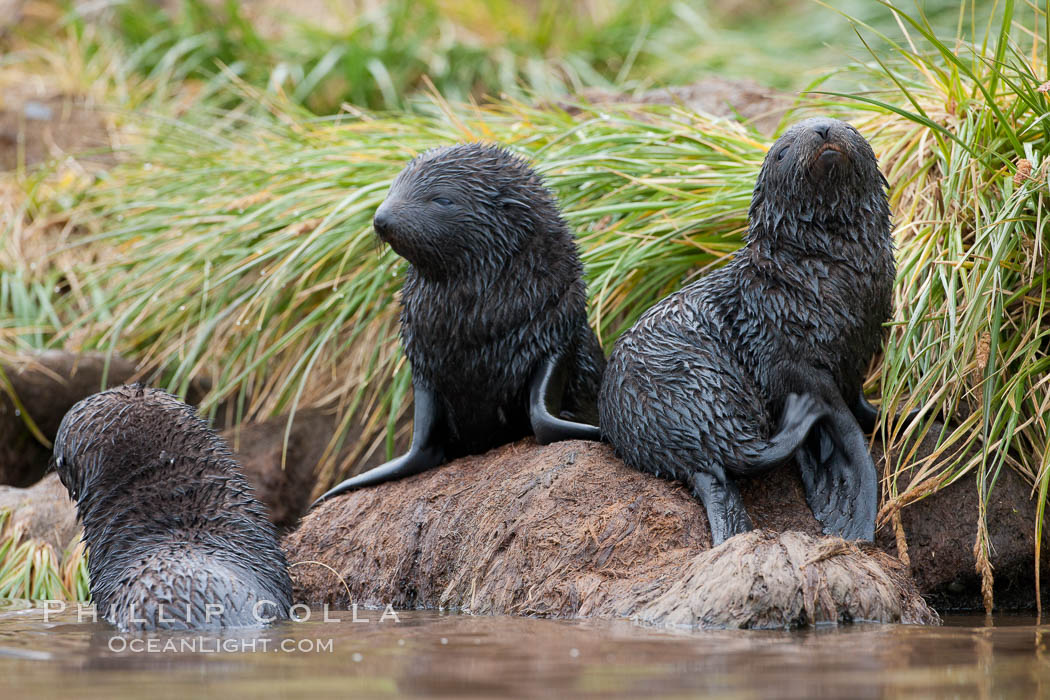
(44, 511)
(47, 385)
(567, 530)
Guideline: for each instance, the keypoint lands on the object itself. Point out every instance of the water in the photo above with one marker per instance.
(433, 655)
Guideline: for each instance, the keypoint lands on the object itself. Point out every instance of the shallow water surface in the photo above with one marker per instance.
(427, 654)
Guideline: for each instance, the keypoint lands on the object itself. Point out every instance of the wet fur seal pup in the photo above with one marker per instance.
(494, 309)
(764, 358)
(177, 539)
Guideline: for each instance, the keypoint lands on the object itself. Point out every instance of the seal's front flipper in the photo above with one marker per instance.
(426, 452)
(839, 476)
(725, 509)
(545, 394)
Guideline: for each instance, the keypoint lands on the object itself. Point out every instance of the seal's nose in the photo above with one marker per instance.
(382, 221)
(822, 130)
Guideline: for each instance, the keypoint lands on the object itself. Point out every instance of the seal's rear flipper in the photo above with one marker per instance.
(427, 450)
(725, 509)
(545, 394)
(839, 478)
(866, 414)
(801, 412)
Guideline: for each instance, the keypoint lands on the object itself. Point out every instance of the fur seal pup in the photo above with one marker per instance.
(494, 309)
(787, 328)
(177, 539)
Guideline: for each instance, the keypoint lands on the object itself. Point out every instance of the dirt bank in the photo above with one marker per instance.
(567, 530)
(47, 385)
(746, 100)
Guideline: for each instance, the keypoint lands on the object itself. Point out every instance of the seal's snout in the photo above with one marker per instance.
(383, 221)
(829, 154)
(830, 151)
(389, 224)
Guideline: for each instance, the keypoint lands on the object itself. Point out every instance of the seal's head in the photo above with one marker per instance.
(820, 171)
(118, 437)
(167, 514)
(464, 208)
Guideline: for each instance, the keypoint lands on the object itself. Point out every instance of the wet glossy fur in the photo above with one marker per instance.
(168, 516)
(495, 286)
(704, 374)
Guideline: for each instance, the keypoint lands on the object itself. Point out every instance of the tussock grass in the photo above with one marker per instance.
(966, 141)
(381, 55)
(266, 275)
(33, 569)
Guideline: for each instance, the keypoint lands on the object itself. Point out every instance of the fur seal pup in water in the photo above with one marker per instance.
(786, 329)
(176, 538)
(494, 309)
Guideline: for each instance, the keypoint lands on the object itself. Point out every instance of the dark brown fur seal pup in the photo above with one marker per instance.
(176, 538)
(786, 329)
(494, 309)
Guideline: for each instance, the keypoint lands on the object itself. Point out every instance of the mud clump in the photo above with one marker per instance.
(568, 530)
(768, 580)
(940, 531)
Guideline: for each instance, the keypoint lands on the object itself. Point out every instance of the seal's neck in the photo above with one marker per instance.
(829, 225)
(541, 253)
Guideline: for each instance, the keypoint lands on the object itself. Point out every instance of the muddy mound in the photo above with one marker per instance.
(767, 580)
(562, 531)
(43, 386)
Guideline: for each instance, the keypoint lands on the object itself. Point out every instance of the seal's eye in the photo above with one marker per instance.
(782, 153)
(443, 201)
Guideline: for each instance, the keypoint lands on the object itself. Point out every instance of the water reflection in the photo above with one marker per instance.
(429, 654)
